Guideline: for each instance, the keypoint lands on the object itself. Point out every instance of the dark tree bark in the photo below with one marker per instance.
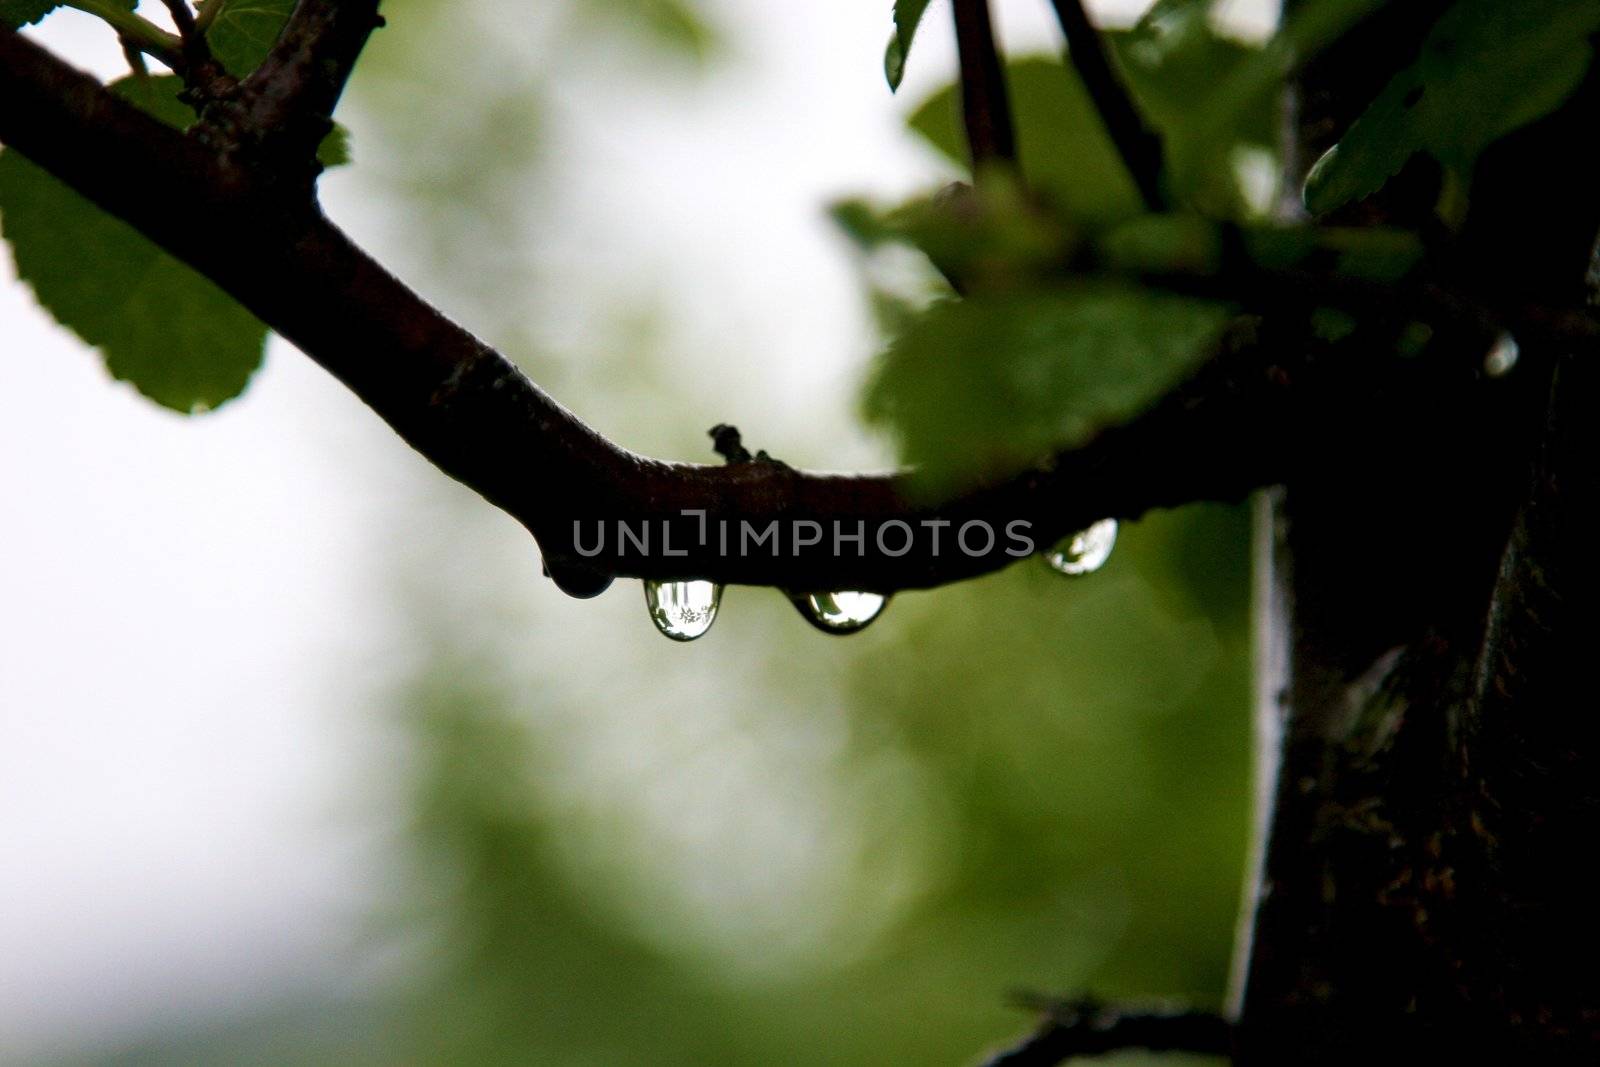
(1426, 894)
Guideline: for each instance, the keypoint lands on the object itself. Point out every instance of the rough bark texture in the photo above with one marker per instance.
(1426, 894)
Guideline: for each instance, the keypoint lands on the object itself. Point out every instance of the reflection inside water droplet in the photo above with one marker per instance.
(839, 613)
(1502, 357)
(682, 610)
(1085, 551)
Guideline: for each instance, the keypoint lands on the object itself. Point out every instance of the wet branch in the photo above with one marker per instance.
(985, 108)
(1088, 1028)
(1139, 146)
(479, 419)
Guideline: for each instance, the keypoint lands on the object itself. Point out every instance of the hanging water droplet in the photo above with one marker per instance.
(1502, 357)
(576, 580)
(682, 610)
(1085, 551)
(839, 613)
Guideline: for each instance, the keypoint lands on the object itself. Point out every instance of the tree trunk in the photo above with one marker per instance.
(1424, 889)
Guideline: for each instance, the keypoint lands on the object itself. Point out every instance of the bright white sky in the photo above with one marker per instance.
(194, 639)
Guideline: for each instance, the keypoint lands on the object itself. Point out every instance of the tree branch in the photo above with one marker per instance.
(985, 108)
(1138, 145)
(471, 412)
(290, 97)
(1088, 1028)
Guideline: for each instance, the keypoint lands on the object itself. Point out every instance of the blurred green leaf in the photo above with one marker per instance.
(178, 338)
(986, 385)
(907, 16)
(1173, 62)
(676, 25)
(18, 13)
(242, 32)
(1164, 244)
(1486, 69)
(334, 151)
(1370, 253)
(970, 234)
(1066, 154)
(1309, 28)
(157, 94)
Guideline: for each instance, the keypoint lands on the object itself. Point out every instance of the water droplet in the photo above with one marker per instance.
(682, 610)
(1085, 551)
(576, 580)
(1502, 357)
(839, 613)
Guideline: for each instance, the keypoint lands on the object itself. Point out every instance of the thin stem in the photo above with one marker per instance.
(290, 97)
(1139, 147)
(143, 34)
(207, 14)
(135, 58)
(985, 109)
(182, 18)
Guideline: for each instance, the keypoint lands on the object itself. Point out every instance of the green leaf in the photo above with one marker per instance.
(907, 17)
(242, 32)
(334, 151)
(674, 25)
(1312, 26)
(1173, 62)
(15, 14)
(1067, 155)
(1486, 69)
(990, 234)
(179, 339)
(988, 385)
(157, 94)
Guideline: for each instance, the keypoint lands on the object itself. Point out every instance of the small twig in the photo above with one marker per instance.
(202, 74)
(1139, 147)
(135, 58)
(727, 443)
(133, 30)
(1088, 1028)
(293, 92)
(183, 19)
(207, 15)
(985, 109)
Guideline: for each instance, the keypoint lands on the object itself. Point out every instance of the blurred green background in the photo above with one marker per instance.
(769, 846)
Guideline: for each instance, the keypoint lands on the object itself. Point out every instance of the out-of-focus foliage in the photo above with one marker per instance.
(1081, 800)
(1174, 64)
(1023, 365)
(985, 385)
(1486, 69)
(671, 25)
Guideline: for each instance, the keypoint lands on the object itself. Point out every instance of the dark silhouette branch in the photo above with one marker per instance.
(1088, 1028)
(985, 107)
(182, 18)
(289, 99)
(470, 411)
(1139, 146)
